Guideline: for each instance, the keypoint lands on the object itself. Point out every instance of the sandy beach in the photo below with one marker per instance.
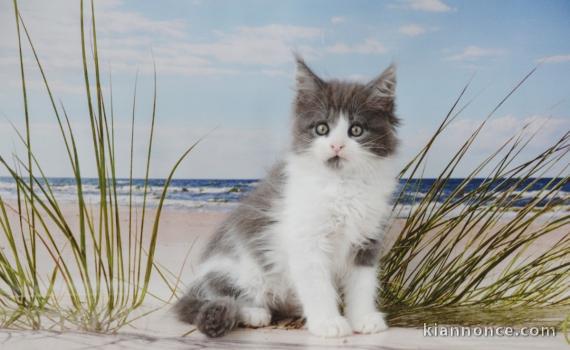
(184, 233)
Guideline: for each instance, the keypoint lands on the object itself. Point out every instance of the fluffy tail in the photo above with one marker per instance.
(214, 310)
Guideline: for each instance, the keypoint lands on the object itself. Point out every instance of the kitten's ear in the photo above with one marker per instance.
(306, 79)
(383, 92)
(385, 85)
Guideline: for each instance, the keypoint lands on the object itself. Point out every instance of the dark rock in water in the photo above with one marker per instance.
(234, 190)
(184, 189)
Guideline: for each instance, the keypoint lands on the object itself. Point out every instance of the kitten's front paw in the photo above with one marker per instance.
(255, 316)
(336, 326)
(369, 323)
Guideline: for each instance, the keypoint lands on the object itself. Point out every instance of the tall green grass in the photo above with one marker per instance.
(471, 259)
(104, 271)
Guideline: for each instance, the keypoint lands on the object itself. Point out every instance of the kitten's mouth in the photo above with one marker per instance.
(335, 162)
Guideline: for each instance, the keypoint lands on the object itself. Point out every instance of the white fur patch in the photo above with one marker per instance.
(370, 323)
(330, 327)
(255, 316)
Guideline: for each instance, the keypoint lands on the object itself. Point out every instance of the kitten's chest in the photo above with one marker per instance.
(351, 206)
(343, 199)
(344, 208)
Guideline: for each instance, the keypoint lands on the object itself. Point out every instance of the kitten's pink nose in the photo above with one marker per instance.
(337, 148)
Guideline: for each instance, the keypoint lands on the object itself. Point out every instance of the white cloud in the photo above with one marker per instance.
(128, 40)
(555, 59)
(412, 30)
(266, 45)
(369, 46)
(125, 38)
(111, 19)
(424, 5)
(338, 19)
(472, 53)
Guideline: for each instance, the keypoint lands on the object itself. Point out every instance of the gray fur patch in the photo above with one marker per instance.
(211, 304)
(248, 223)
(188, 307)
(217, 317)
(369, 254)
(334, 162)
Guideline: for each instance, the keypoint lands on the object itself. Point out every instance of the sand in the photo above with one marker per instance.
(182, 231)
(266, 339)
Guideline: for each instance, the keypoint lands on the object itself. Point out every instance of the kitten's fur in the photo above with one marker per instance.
(311, 231)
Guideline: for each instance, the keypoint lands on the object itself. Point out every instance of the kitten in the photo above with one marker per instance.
(311, 231)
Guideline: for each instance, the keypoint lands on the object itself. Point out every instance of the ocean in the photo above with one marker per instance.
(224, 194)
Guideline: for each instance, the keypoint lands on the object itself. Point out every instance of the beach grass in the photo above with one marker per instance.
(468, 259)
(471, 259)
(104, 271)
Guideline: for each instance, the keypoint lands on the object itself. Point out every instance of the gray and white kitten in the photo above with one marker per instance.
(311, 231)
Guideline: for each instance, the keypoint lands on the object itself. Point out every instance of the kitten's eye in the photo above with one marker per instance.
(355, 130)
(322, 129)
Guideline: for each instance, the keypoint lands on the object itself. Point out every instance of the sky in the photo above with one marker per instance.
(225, 71)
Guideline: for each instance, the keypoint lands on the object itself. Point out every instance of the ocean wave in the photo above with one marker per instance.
(220, 194)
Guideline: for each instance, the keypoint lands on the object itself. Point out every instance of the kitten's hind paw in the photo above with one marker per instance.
(332, 327)
(369, 323)
(255, 316)
(217, 317)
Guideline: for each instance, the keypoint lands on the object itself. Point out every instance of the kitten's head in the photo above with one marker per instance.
(344, 124)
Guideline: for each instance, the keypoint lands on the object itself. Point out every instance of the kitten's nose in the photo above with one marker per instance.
(337, 148)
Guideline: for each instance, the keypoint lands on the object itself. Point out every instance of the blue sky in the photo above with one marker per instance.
(228, 65)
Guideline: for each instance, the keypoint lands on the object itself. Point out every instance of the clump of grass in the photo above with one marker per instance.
(104, 272)
(471, 260)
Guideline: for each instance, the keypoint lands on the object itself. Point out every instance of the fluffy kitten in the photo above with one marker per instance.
(311, 231)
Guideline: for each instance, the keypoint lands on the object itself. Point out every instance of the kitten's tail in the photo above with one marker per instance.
(212, 313)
